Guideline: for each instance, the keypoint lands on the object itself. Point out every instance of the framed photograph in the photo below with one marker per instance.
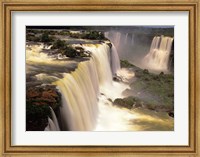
(100, 78)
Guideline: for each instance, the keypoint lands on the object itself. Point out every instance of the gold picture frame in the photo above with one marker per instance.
(191, 6)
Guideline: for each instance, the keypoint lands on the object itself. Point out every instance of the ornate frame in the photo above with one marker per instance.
(7, 6)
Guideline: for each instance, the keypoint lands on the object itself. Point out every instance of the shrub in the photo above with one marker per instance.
(94, 35)
(59, 44)
(69, 51)
(46, 38)
(30, 37)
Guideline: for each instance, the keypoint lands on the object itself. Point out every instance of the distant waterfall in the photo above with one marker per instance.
(115, 62)
(132, 39)
(115, 38)
(80, 89)
(126, 39)
(159, 53)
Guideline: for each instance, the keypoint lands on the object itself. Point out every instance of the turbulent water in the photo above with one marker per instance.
(159, 53)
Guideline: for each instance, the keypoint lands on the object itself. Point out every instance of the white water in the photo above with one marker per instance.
(115, 38)
(126, 39)
(34, 53)
(159, 53)
(52, 123)
(115, 62)
(51, 126)
(55, 120)
(112, 118)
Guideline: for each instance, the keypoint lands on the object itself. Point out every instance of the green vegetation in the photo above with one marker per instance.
(126, 64)
(67, 50)
(154, 91)
(128, 102)
(92, 35)
(58, 44)
(32, 37)
(45, 37)
(64, 32)
(160, 87)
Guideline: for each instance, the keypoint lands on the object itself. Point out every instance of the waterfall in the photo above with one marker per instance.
(115, 62)
(80, 89)
(132, 39)
(115, 38)
(159, 53)
(54, 118)
(126, 39)
(118, 38)
(52, 123)
(51, 126)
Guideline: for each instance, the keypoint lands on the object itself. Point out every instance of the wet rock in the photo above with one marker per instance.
(117, 78)
(171, 114)
(109, 99)
(109, 44)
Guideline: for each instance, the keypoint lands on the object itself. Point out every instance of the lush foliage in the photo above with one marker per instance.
(67, 50)
(58, 44)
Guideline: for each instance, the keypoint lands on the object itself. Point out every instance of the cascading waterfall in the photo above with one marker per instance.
(79, 97)
(52, 123)
(116, 38)
(115, 63)
(80, 89)
(51, 126)
(158, 56)
(126, 39)
(132, 39)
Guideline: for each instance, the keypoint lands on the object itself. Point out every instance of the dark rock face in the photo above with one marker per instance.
(117, 78)
(109, 44)
(38, 100)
